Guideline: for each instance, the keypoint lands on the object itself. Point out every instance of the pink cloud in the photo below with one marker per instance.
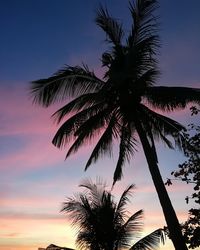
(33, 125)
(42, 217)
(19, 116)
(28, 201)
(37, 153)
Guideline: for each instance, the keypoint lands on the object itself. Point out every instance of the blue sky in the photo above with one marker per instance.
(37, 39)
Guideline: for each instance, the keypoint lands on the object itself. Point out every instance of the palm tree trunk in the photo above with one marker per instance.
(168, 210)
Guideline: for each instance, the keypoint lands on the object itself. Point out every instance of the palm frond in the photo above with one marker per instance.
(111, 27)
(151, 241)
(68, 82)
(162, 126)
(80, 103)
(66, 132)
(120, 209)
(104, 144)
(146, 78)
(126, 150)
(144, 22)
(143, 41)
(90, 185)
(171, 98)
(131, 228)
(89, 129)
(96, 190)
(142, 59)
(78, 209)
(85, 241)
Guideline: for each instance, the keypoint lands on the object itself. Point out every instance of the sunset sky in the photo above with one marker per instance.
(38, 37)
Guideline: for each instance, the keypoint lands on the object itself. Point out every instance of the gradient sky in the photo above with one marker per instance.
(38, 38)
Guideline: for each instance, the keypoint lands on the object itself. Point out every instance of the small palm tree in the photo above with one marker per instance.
(123, 104)
(103, 224)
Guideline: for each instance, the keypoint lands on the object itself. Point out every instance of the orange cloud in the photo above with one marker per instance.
(29, 233)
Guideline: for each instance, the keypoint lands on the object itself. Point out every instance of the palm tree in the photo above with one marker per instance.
(123, 104)
(103, 224)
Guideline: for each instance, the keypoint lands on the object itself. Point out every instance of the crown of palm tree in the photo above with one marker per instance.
(104, 224)
(111, 108)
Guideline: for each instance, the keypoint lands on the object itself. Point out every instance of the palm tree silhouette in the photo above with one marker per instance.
(123, 104)
(103, 224)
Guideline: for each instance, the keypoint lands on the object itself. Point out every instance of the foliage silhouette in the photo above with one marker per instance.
(189, 172)
(104, 224)
(121, 104)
